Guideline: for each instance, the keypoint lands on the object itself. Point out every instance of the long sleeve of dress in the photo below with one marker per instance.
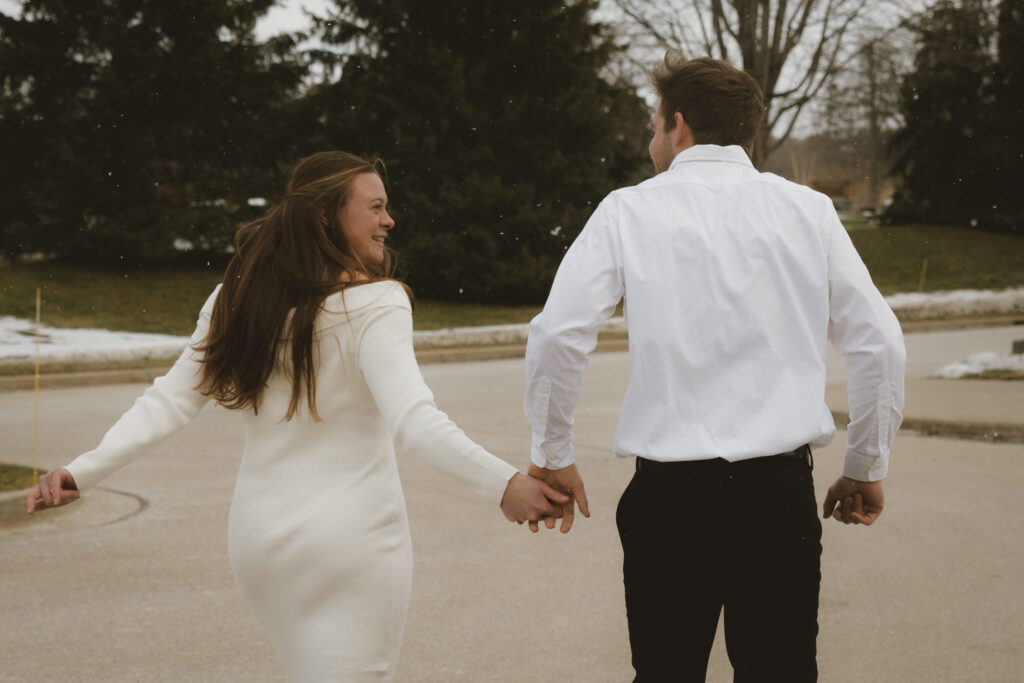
(388, 363)
(167, 406)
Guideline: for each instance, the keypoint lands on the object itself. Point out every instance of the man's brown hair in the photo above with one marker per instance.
(721, 104)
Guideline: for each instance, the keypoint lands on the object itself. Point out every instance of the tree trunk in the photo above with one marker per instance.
(761, 142)
(874, 129)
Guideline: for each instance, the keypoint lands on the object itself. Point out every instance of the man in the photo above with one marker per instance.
(734, 281)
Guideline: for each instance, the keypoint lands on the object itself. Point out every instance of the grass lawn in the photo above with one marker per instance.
(167, 300)
(958, 258)
(15, 477)
(159, 300)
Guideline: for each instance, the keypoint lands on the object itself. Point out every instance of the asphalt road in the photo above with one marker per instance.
(133, 583)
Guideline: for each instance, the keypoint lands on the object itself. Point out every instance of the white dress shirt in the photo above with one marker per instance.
(734, 281)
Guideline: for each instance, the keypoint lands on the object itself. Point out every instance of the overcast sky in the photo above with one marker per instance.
(286, 16)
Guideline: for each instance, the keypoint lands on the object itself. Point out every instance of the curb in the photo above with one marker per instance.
(509, 341)
(962, 323)
(991, 432)
(462, 354)
(454, 345)
(60, 380)
(425, 353)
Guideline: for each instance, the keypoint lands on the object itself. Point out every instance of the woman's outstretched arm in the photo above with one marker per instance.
(167, 406)
(388, 363)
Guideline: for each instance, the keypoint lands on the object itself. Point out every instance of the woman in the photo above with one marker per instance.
(313, 343)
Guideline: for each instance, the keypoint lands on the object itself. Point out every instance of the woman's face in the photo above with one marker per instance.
(364, 218)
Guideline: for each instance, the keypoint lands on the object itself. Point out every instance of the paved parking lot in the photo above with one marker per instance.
(133, 584)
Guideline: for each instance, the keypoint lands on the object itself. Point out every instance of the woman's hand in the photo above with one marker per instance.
(55, 488)
(529, 500)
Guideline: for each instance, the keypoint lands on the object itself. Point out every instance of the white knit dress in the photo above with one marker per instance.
(318, 535)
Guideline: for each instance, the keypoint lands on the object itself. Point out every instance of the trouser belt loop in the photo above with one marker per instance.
(803, 453)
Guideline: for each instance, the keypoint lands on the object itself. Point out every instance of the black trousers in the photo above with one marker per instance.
(709, 535)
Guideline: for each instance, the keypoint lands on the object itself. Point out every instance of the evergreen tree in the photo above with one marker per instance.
(1008, 143)
(130, 123)
(940, 154)
(499, 132)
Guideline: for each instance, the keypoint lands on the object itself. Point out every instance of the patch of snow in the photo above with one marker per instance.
(63, 344)
(956, 303)
(980, 362)
(17, 336)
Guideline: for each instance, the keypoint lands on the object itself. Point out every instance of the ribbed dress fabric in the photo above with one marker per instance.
(318, 535)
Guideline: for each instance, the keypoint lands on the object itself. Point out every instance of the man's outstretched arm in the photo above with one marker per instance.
(586, 289)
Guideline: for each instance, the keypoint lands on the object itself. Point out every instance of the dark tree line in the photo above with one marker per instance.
(129, 124)
(960, 155)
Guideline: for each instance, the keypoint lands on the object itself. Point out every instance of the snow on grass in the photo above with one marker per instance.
(956, 303)
(62, 344)
(986, 364)
(17, 336)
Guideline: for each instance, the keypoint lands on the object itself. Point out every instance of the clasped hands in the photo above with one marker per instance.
(544, 496)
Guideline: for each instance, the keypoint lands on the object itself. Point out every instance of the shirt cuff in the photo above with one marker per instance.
(85, 473)
(864, 467)
(494, 482)
(552, 461)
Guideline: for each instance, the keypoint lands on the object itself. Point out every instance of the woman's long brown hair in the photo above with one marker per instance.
(286, 261)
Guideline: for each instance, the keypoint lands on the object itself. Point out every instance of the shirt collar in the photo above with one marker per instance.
(732, 154)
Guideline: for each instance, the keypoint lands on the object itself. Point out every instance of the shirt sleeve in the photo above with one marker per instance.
(388, 363)
(586, 289)
(167, 406)
(864, 329)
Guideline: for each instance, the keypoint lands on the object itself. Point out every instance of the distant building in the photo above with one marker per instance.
(840, 170)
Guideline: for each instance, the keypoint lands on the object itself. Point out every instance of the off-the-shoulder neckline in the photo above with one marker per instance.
(374, 289)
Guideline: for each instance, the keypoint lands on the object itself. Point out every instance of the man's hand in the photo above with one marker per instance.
(854, 502)
(529, 499)
(55, 488)
(567, 480)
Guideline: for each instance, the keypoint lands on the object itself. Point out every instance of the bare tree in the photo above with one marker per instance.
(793, 48)
(862, 107)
